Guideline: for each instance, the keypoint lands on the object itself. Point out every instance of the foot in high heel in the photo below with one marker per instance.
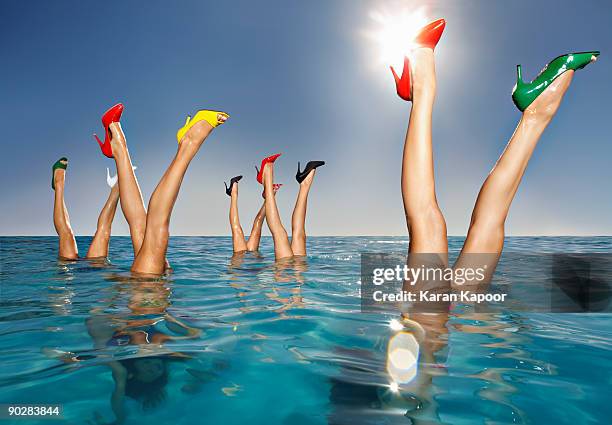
(60, 164)
(109, 117)
(268, 160)
(430, 34)
(428, 37)
(228, 190)
(524, 94)
(312, 165)
(214, 118)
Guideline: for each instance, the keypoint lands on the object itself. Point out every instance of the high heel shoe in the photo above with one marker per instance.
(112, 181)
(301, 175)
(228, 190)
(214, 118)
(275, 188)
(265, 161)
(428, 36)
(62, 164)
(109, 117)
(524, 94)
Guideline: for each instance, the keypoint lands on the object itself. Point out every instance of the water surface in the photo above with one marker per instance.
(246, 341)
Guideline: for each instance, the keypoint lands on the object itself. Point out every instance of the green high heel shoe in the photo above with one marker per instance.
(524, 94)
(60, 163)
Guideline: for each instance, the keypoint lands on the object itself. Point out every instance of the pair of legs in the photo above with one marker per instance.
(240, 243)
(283, 248)
(426, 224)
(67, 244)
(150, 230)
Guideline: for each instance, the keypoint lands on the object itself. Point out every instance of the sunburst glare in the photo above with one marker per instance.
(395, 33)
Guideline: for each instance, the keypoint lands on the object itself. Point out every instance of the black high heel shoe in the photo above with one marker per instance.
(228, 190)
(301, 175)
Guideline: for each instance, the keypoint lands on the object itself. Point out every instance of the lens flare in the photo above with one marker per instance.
(395, 34)
(402, 357)
(396, 325)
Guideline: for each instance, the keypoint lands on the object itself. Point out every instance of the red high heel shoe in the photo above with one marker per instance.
(109, 117)
(275, 187)
(428, 37)
(430, 34)
(265, 161)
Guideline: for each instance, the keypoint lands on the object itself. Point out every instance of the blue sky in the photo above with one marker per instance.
(301, 78)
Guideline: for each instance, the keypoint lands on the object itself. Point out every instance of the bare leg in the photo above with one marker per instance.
(67, 243)
(425, 221)
(255, 236)
(132, 204)
(151, 258)
(99, 244)
(486, 233)
(238, 240)
(282, 247)
(298, 219)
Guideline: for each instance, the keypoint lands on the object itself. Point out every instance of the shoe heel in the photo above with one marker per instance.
(99, 141)
(104, 147)
(519, 76)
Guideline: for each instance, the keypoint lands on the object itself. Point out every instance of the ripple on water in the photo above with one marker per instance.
(245, 339)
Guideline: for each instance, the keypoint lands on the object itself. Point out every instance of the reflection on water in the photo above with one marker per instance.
(246, 340)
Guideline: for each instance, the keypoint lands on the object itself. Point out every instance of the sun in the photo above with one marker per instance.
(395, 33)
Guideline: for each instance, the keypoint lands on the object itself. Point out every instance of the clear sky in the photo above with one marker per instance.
(302, 78)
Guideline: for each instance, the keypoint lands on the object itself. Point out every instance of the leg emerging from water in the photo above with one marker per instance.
(486, 233)
(132, 204)
(151, 258)
(298, 219)
(67, 243)
(425, 221)
(99, 244)
(255, 236)
(282, 247)
(238, 240)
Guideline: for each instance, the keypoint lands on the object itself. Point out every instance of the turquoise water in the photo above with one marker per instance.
(247, 341)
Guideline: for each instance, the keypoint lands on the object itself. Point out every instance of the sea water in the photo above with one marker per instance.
(245, 340)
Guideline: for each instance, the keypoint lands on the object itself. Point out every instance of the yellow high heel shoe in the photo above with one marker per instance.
(214, 118)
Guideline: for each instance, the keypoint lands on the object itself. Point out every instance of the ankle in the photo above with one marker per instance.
(424, 90)
(538, 118)
(119, 149)
(58, 181)
(423, 73)
(305, 185)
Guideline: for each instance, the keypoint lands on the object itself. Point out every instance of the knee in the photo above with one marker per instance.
(429, 217)
(138, 228)
(487, 224)
(65, 233)
(487, 235)
(280, 234)
(103, 232)
(237, 230)
(298, 235)
(141, 224)
(160, 233)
